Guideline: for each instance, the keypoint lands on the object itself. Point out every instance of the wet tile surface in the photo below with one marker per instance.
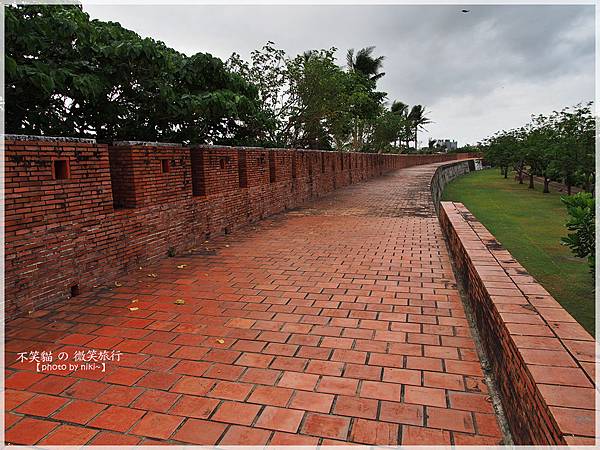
(336, 322)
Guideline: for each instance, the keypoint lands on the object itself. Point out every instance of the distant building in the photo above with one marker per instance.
(445, 145)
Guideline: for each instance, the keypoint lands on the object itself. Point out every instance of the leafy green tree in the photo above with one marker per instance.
(68, 75)
(559, 146)
(582, 242)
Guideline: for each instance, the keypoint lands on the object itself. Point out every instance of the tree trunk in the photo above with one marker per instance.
(506, 172)
(568, 183)
(531, 180)
(521, 174)
(546, 185)
(416, 138)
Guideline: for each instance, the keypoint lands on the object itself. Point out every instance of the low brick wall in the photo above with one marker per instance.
(446, 173)
(543, 360)
(79, 214)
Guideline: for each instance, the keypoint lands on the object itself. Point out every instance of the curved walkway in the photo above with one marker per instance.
(336, 322)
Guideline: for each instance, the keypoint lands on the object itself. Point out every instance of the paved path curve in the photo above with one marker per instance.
(336, 322)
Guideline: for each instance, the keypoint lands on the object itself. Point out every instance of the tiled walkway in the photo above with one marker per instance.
(339, 322)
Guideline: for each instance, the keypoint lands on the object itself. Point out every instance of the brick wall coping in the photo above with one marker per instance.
(554, 353)
(145, 144)
(25, 137)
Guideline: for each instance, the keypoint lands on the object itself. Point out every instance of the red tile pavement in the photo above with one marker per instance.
(336, 322)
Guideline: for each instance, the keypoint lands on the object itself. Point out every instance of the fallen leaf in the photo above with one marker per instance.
(134, 301)
(227, 245)
(182, 266)
(180, 301)
(220, 341)
(153, 275)
(133, 308)
(117, 284)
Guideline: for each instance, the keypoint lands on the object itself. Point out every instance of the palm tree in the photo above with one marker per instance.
(365, 63)
(417, 119)
(401, 109)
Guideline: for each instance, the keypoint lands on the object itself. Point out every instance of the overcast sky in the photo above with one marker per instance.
(475, 73)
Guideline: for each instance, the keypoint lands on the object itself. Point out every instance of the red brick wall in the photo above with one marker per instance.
(127, 205)
(542, 359)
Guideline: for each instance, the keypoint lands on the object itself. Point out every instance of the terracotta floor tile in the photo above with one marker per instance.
(156, 425)
(338, 322)
(280, 419)
(200, 432)
(236, 412)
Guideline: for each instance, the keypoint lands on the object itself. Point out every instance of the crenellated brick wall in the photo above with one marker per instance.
(79, 214)
(542, 359)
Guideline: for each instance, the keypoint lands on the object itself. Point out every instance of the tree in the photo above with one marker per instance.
(582, 241)
(365, 63)
(559, 146)
(68, 75)
(417, 118)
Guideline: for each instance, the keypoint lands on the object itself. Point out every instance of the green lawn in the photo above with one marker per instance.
(530, 224)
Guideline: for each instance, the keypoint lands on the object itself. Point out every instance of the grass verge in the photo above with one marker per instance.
(530, 224)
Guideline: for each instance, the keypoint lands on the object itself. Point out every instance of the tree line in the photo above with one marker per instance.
(67, 75)
(556, 147)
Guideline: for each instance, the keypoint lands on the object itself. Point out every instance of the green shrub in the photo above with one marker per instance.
(582, 241)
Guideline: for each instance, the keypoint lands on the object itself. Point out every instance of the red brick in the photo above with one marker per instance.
(157, 401)
(41, 405)
(295, 380)
(199, 432)
(401, 413)
(312, 401)
(125, 376)
(450, 419)
(326, 426)
(268, 395)
(116, 418)
(230, 390)
(356, 407)
(237, 435)
(79, 411)
(470, 401)
(425, 396)
(403, 376)
(424, 436)
(157, 425)
(29, 431)
(191, 406)
(52, 384)
(119, 395)
(381, 391)
(193, 385)
(260, 376)
(280, 419)
(85, 390)
(69, 435)
(110, 438)
(374, 433)
(292, 439)
(336, 385)
(13, 398)
(235, 412)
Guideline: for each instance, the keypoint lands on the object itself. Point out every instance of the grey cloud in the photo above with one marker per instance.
(475, 72)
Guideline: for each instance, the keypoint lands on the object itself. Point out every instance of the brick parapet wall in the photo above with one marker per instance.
(103, 210)
(543, 360)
